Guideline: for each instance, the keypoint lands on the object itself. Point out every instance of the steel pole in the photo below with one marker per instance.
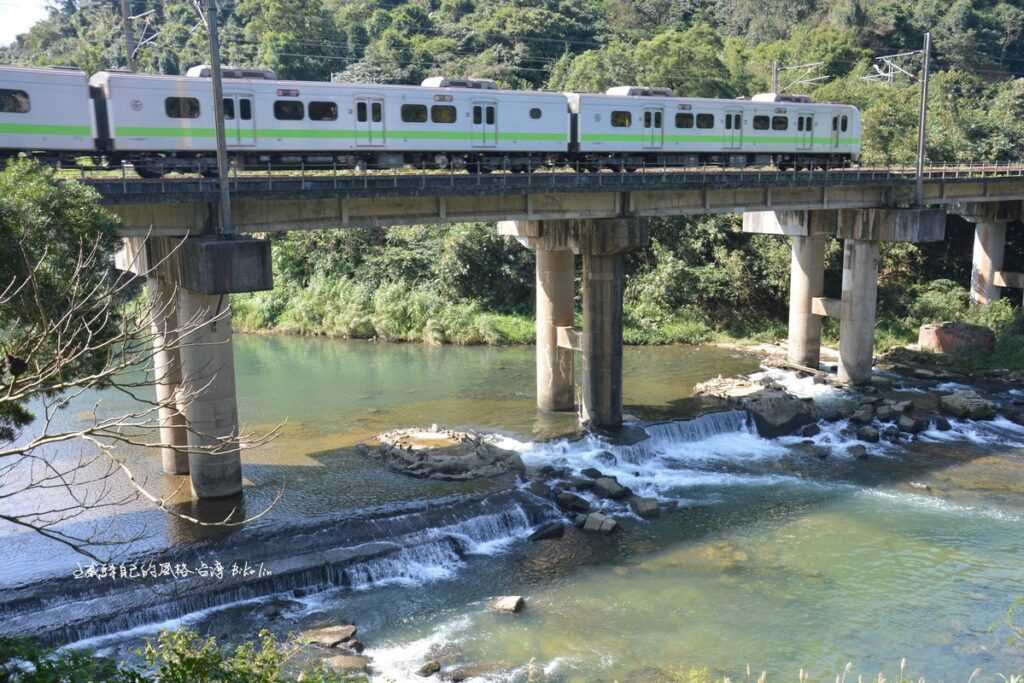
(226, 225)
(922, 122)
(129, 35)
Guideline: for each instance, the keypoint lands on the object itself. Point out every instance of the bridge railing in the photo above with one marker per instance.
(329, 179)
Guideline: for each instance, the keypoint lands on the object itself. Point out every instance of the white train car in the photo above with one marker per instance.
(440, 124)
(46, 112)
(636, 125)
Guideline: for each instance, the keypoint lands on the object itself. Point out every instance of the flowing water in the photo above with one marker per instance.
(763, 553)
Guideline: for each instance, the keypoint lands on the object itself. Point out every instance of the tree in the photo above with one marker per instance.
(67, 329)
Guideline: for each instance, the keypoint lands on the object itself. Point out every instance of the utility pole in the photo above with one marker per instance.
(227, 227)
(129, 36)
(922, 122)
(775, 75)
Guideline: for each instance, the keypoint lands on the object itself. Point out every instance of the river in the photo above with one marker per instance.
(762, 555)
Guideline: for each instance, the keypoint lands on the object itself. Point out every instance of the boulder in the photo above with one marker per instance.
(644, 507)
(868, 433)
(608, 487)
(599, 523)
(863, 415)
(885, 413)
(967, 404)
(890, 433)
(548, 530)
(592, 473)
(539, 488)
(511, 604)
(903, 406)
(912, 425)
(775, 411)
(942, 424)
(858, 451)
(606, 458)
(950, 337)
(581, 484)
(439, 453)
(429, 668)
(330, 636)
(810, 430)
(348, 663)
(570, 502)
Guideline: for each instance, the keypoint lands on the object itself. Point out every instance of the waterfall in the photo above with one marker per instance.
(666, 434)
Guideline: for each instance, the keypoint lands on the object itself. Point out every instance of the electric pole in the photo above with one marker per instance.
(922, 122)
(129, 37)
(226, 225)
(775, 75)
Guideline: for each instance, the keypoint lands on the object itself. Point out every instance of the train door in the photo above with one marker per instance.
(734, 128)
(485, 123)
(654, 131)
(239, 120)
(805, 130)
(834, 137)
(370, 131)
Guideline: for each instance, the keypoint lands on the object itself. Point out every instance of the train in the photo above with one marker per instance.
(161, 124)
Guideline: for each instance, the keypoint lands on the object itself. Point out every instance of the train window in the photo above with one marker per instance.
(657, 119)
(182, 107)
(289, 110)
(835, 123)
(229, 109)
(361, 112)
(535, 113)
(780, 123)
(760, 123)
(414, 113)
(323, 111)
(799, 123)
(648, 119)
(622, 119)
(705, 120)
(490, 116)
(728, 121)
(844, 123)
(684, 120)
(442, 113)
(245, 109)
(14, 102)
(377, 112)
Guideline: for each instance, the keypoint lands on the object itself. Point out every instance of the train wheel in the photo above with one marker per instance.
(149, 172)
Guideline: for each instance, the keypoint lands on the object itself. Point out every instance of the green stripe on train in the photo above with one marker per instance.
(43, 129)
(129, 132)
(722, 139)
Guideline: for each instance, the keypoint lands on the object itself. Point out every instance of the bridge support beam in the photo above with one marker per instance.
(990, 219)
(602, 244)
(189, 282)
(862, 232)
(807, 231)
(167, 374)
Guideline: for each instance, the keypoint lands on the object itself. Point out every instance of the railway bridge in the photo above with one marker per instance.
(170, 231)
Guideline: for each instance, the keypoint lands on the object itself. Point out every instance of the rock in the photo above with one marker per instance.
(299, 592)
(608, 487)
(570, 502)
(775, 411)
(548, 530)
(599, 523)
(348, 663)
(579, 520)
(354, 645)
(539, 488)
(951, 337)
(810, 430)
(942, 424)
(511, 604)
(592, 473)
(918, 485)
(429, 668)
(274, 608)
(885, 413)
(863, 415)
(644, 507)
(858, 451)
(890, 433)
(438, 453)
(967, 404)
(330, 636)
(606, 458)
(912, 425)
(868, 433)
(581, 484)
(871, 400)
(903, 406)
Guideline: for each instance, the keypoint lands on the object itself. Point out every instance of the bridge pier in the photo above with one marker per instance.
(189, 282)
(602, 244)
(990, 219)
(167, 374)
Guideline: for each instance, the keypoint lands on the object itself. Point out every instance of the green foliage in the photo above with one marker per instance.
(48, 231)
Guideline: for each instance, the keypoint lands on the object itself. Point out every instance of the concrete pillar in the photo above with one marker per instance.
(860, 297)
(806, 281)
(556, 272)
(167, 374)
(208, 376)
(989, 246)
(602, 339)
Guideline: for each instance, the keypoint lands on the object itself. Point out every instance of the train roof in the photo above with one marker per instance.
(574, 99)
(49, 72)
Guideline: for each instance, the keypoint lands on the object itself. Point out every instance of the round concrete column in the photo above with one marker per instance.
(806, 281)
(555, 293)
(602, 339)
(167, 375)
(208, 371)
(989, 247)
(860, 297)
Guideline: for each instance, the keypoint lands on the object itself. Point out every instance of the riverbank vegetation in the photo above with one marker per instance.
(700, 280)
